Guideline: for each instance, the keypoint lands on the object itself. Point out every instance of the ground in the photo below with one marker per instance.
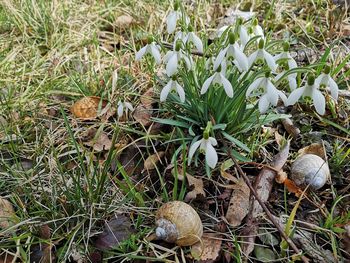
(79, 184)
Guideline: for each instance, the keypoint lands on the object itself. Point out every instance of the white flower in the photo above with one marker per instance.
(257, 30)
(270, 95)
(218, 78)
(244, 36)
(124, 106)
(232, 50)
(172, 85)
(205, 145)
(292, 79)
(195, 40)
(172, 58)
(261, 53)
(328, 81)
(290, 60)
(309, 90)
(172, 19)
(152, 49)
(221, 30)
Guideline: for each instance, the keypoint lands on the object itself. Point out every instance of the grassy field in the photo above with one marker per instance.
(69, 179)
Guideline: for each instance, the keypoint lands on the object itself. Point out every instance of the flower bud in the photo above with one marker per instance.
(173, 77)
(327, 69)
(286, 46)
(267, 74)
(190, 28)
(231, 38)
(255, 22)
(239, 21)
(150, 39)
(176, 5)
(218, 69)
(178, 46)
(311, 79)
(261, 44)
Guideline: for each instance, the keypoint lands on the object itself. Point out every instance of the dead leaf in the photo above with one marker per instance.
(88, 107)
(101, 143)
(124, 21)
(147, 98)
(42, 253)
(143, 111)
(6, 213)
(239, 203)
(115, 231)
(6, 258)
(290, 127)
(152, 161)
(292, 187)
(197, 184)
(208, 249)
(316, 149)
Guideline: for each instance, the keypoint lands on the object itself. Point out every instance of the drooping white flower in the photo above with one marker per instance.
(180, 35)
(309, 90)
(285, 55)
(291, 78)
(172, 85)
(261, 53)
(237, 15)
(271, 93)
(207, 146)
(257, 29)
(232, 50)
(244, 36)
(151, 48)
(172, 58)
(172, 18)
(326, 80)
(195, 40)
(124, 106)
(219, 78)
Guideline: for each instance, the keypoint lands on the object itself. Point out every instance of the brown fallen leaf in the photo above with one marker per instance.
(290, 127)
(208, 249)
(124, 21)
(239, 204)
(152, 161)
(88, 107)
(314, 148)
(197, 184)
(115, 231)
(147, 98)
(6, 214)
(292, 187)
(6, 258)
(143, 111)
(101, 143)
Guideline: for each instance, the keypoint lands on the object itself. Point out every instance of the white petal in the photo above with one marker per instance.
(129, 106)
(207, 83)
(241, 59)
(193, 149)
(213, 141)
(295, 96)
(168, 56)
(334, 88)
(120, 109)
(319, 101)
(292, 63)
(258, 31)
(292, 82)
(277, 57)
(270, 61)
(171, 22)
(282, 96)
(171, 66)
(219, 58)
(180, 91)
(197, 42)
(243, 35)
(155, 53)
(221, 30)
(279, 75)
(252, 58)
(211, 156)
(141, 53)
(271, 93)
(189, 62)
(165, 91)
(264, 104)
(227, 86)
(256, 83)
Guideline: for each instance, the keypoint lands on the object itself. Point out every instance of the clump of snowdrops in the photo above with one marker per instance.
(229, 87)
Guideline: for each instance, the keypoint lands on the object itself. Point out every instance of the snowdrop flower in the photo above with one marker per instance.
(286, 56)
(172, 58)
(309, 90)
(124, 106)
(244, 36)
(172, 85)
(205, 145)
(221, 30)
(194, 39)
(151, 48)
(261, 53)
(326, 80)
(218, 78)
(172, 18)
(257, 30)
(291, 78)
(271, 92)
(232, 50)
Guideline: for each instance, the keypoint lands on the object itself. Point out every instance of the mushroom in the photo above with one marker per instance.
(310, 169)
(177, 222)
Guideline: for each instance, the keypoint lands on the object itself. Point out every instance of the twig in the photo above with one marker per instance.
(267, 211)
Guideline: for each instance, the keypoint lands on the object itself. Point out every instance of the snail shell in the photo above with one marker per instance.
(310, 169)
(177, 222)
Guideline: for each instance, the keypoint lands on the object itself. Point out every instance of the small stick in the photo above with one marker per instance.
(267, 211)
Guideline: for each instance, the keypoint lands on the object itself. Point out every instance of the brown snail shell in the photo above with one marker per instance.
(177, 222)
(310, 169)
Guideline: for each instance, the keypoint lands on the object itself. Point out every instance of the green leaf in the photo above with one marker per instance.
(264, 254)
(236, 142)
(267, 238)
(172, 122)
(239, 156)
